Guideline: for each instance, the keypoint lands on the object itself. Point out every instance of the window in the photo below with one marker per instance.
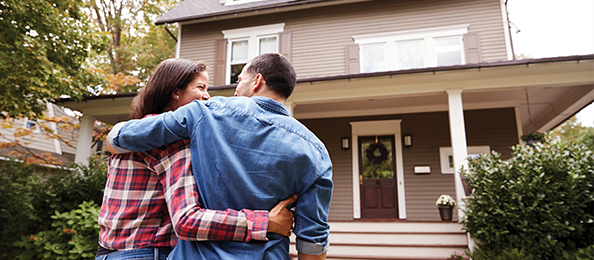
(246, 43)
(447, 156)
(31, 123)
(412, 49)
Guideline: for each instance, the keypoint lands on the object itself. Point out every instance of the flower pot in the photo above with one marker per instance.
(532, 142)
(445, 213)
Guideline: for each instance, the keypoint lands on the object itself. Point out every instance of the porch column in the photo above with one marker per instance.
(85, 140)
(458, 139)
(290, 105)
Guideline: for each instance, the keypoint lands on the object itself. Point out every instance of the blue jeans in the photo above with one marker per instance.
(153, 253)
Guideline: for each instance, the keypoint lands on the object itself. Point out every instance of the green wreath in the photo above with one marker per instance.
(380, 156)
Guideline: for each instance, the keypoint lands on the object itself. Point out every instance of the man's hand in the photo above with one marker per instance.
(280, 219)
(311, 257)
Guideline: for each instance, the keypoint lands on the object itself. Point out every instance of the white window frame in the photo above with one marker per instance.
(426, 35)
(253, 35)
(446, 152)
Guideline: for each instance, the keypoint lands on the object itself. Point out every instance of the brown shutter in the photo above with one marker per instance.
(352, 58)
(472, 48)
(284, 45)
(220, 65)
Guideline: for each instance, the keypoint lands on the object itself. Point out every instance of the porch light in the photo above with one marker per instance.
(407, 140)
(345, 143)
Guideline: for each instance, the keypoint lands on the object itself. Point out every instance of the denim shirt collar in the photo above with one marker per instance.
(271, 105)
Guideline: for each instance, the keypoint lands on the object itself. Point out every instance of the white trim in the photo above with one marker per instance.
(458, 140)
(384, 127)
(506, 31)
(57, 144)
(446, 152)
(178, 43)
(254, 30)
(412, 34)
(37, 129)
(85, 140)
(519, 127)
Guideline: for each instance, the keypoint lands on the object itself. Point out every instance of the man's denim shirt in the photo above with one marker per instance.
(246, 153)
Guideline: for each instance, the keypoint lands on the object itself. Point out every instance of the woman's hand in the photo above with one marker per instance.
(280, 219)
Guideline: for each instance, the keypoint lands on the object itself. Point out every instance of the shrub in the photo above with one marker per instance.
(74, 236)
(541, 200)
(31, 194)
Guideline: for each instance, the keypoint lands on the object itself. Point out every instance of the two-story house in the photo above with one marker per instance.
(400, 91)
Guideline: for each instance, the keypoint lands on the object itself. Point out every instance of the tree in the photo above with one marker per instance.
(136, 44)
(573, 131)
(43, 48)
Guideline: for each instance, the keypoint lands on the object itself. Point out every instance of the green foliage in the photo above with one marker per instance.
(136, 44)
(31, 194)
(507, 254)
(541, 200)
(74, 236)
(43, 47)
(573, 131)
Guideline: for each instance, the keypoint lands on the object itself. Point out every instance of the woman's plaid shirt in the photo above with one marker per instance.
(148, 195)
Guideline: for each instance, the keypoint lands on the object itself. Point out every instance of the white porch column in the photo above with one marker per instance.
(290, 105)
(458, 139)
(85, 140)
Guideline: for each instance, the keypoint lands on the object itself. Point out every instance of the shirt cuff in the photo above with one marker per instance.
(112, 137)
(259, 221)
(311, 248)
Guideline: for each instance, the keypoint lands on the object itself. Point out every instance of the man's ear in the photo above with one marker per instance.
(258, 83)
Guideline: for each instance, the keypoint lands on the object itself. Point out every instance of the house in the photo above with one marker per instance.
(37, 141)
(400, 91)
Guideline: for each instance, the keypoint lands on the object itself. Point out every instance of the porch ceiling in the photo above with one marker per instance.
(556, 91)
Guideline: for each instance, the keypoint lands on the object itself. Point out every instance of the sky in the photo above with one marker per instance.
(552, 28)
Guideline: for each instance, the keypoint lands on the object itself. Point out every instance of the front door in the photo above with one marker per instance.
(377, 177)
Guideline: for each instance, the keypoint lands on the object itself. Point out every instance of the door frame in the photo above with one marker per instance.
(380, 127)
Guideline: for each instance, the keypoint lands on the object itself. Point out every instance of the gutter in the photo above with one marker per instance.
(172, 36)
(434, 70)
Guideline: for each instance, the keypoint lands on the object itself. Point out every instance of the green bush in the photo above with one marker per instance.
(74, 236)
(31, 194)
(540, 201)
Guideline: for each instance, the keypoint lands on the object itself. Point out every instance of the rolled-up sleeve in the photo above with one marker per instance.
(311, 223)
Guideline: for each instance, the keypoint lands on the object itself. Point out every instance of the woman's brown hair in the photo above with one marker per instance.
(170, 75)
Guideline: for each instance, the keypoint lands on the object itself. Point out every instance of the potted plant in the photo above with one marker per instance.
(533, 137)
(445, 204)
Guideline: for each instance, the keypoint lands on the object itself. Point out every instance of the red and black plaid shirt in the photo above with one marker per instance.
(148, 195)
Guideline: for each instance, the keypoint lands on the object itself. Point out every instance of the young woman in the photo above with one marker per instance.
(151, 198)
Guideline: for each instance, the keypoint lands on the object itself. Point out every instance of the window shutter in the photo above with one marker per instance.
(472, 48)
(352, 58)
(284, 46)
(220, 65)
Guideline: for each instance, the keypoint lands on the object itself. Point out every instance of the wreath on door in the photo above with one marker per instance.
(376, 153)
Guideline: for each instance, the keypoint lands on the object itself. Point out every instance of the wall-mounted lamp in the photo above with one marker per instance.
(345, 143)
(407, 140)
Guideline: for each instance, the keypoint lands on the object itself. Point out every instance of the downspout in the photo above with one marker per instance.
(511, 43)
(174, 38)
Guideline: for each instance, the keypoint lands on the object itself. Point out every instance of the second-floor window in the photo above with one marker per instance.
(411, 49)
(247, 43)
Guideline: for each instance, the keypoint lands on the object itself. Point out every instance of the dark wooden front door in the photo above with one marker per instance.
(377, 177)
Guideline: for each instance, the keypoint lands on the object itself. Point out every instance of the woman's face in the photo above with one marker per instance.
(196, 90)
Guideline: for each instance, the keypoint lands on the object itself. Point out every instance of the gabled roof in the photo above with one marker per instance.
(189, 10)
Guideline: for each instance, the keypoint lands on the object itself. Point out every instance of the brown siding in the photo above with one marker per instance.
(317, 52)
(494, 127)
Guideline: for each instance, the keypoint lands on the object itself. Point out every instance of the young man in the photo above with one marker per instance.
(247, 152)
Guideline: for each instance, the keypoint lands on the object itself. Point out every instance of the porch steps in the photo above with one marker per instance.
(393, 240)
